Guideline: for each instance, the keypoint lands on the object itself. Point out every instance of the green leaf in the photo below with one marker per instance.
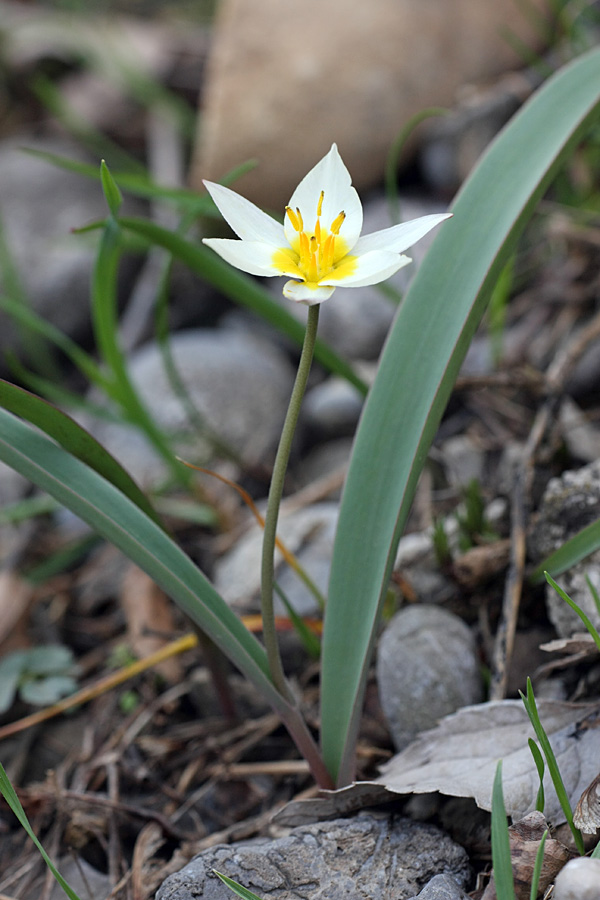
(552, 763)
(503, 874)
(576, 609)
(10, 795)
(540, 800)
(537, 867)
(112, 194)
(420, 362)
(242, 892)
(241, 289)
(73, 438)
(45, 691)
(571, 552)
(120, 521)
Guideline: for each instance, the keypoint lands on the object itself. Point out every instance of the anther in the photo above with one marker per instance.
(320, 203)
(296, 222)
(337, 223)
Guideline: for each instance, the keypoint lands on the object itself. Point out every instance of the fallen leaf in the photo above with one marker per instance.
(459, 758)
(587, 812)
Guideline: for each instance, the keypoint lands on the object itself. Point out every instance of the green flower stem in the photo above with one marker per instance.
(275, 494)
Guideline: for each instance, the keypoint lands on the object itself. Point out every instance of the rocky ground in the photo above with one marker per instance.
(151, 784)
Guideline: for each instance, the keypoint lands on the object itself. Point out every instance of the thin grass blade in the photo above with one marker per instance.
(571, 552)
(576, 609)
(421, 359)
(503, 874)
(10, 795)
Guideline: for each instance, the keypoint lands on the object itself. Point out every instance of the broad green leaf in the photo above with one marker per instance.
(503, 874)
(117, 519)
(73, 438)
(240, 288)
(572, 551)
(421, 359)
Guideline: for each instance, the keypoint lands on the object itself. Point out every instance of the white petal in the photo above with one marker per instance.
(301, 293)
(253, 257)
(368, 269)
(247, 220)
(399, 237)
(331, 176)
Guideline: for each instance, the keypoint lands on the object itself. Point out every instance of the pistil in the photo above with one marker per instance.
(316, 251)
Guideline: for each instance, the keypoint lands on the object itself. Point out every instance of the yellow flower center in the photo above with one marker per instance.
(317, 252)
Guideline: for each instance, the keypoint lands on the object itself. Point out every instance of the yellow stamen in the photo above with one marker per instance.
(337, 223)
(304, 249)
(313, 267)
(299, 214)
(296, 223)
(320, 203)
(328, 250)
(318, 231)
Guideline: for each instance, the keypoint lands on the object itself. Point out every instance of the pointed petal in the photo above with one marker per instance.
(302, 293)
(399, 237)
(331, 176)
(253, 257)
(247, 220)
(371, 268)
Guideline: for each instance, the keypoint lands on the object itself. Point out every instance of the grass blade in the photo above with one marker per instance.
(421, 359)
(540, 800)
(572, 551)
(503, 874)
(586, 621)
(537, 867)
(242, 892)
(544, 742)
(10, 795)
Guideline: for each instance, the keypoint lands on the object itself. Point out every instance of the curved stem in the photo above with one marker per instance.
(275, 494)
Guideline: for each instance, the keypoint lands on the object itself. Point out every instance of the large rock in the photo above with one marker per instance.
(285, 80)
(358, 859)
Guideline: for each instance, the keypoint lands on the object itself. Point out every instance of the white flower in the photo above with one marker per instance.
(319, 245)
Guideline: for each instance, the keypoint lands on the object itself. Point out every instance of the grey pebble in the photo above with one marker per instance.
(442, 887)
(358, 858)
(239, 384)
(578, 880)
(427, 668)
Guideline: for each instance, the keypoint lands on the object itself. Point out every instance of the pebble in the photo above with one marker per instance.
(427, 668)
(308, 533)
(579, 880)
(240, 385)
(357, 858)
(442, 887)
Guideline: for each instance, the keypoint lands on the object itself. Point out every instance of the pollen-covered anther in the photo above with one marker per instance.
(338, 222)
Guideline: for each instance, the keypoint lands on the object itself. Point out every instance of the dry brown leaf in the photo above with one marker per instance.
(525, 837)
(581, 642)
(146, 873)
(587, 812)
(150, 620)
(459, 758)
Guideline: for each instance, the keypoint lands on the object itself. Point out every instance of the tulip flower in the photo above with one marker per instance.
(319, 246)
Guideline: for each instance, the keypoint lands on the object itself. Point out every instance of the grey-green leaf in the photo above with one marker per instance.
(421, 359)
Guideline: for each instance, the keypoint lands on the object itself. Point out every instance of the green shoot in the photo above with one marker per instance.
(559, 787)
(242, 892)
(503, 874)
(538, 759)
(537, 867)
(586, 621)
(10, 795)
